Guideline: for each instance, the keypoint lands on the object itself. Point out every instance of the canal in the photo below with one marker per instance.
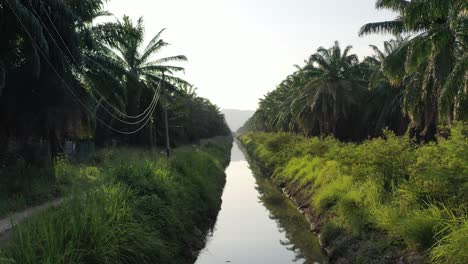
(257, 224)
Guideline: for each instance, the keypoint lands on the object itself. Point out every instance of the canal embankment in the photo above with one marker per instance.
(372, 202)
(137, 207)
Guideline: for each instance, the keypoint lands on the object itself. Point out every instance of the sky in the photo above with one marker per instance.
(238, 50)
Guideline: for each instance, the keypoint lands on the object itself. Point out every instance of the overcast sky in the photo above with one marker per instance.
(238, 50)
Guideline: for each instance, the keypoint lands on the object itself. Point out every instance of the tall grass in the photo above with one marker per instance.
(390, 184)
(451, 247)
(24, 185)
(140, 208)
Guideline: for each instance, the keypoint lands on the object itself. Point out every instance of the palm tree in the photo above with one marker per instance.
(192, 117)
(384, 108)
(39, 80)
(335, 93)
(323, 97)
(432, 73)
(139, 71)
(291, 107)
(19, 21)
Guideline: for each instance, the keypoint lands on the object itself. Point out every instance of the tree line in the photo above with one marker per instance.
(64, 76)
(417, 83)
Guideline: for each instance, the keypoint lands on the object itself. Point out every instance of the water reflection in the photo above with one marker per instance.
(294, 225)
(257, 224)
(236, 153)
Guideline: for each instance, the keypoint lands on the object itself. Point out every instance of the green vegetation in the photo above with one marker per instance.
(137, 207)
(403, 182)
(417, 83)
(66, 76)
(409, 194)
(21, 187)
(70, 82)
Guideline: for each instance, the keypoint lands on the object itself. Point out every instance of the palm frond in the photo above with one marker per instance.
(392, 65)
(32, 25)
(394, 27)
(154, 40)
(178, 58)
(162, 68)
(378, 53)
(395, 5)
(455, 84)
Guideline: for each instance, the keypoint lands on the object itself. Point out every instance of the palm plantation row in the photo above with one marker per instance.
(417, 82)
(64, 76)
(69, 81)
(377, 195)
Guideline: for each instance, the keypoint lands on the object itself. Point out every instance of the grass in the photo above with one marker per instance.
(22, 186)
(451, 247)
(415, 194)
(138, 208)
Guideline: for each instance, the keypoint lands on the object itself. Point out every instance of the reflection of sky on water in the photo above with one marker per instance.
(246, 231)
(236, 153)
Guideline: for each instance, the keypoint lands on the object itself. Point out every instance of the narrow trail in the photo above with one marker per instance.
(8, 223)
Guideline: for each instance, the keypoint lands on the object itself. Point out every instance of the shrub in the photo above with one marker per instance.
(138, 208)
(419, 227)
(351, 211)
(327, 196)
(441, 170)
(330, 232)
(451, 248)
(386, 183)
(94, 228)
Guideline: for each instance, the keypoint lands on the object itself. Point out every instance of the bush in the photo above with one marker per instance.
(98, 227)
(330, 232)
(23, 185)
(451, 248)
(327, 196)
(440, 170)
(351, 211)
(141, 209)
(390, 184)
(418, 228)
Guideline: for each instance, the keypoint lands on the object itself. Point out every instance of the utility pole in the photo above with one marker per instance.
(168, 147)
(151, 133)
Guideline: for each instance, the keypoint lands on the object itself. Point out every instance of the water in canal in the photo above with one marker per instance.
(257, 224)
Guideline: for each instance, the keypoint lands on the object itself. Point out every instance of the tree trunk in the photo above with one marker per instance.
(133, 110)
(441, 67)
(166, 124)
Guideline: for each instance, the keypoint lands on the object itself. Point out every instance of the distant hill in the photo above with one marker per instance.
(236, 118)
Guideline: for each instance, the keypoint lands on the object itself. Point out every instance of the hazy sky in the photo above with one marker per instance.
(240, 49)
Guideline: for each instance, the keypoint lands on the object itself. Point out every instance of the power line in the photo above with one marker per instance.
(66, 85)
(145, 112)
(110, 113)
(71, 55)
(112, 106)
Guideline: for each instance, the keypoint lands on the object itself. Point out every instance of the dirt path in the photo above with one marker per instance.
(7, 224)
